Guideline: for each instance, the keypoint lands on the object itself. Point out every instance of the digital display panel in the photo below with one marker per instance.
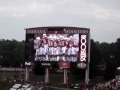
(56, 47)
(57, 44)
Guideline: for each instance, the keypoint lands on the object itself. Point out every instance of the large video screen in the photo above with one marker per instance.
(56, 47)
(57, 44)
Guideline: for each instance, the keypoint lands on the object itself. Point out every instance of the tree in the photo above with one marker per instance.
(117, 54)
(95, 57)
(12, 53)
(110, 70)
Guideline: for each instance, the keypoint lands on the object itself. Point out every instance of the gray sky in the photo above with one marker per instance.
(101, 16)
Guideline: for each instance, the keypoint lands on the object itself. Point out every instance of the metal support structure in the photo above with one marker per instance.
(86, 78)
(46, 75)
(65, 76)
(87, 69)
(26, 73)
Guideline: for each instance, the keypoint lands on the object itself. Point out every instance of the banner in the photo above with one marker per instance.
(63, 65)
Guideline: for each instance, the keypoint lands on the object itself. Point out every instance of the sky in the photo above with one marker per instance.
(101, 16)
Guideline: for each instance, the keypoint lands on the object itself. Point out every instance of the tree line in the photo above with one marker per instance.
(107, 54)
(12, 54)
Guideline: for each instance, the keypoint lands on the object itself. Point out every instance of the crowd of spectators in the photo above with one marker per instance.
(113, 84)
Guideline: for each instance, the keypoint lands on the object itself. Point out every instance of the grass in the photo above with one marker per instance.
(55, 79)
(5, 85)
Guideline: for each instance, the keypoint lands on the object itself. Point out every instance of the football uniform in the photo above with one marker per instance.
(36, 46)
(64, 44)
(76, 42)
(55, 50)
(45, 45)
(50, 45)
(40, 47)
(70, 47)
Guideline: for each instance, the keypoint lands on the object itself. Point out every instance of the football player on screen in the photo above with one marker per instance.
(75, 48)
(70, 49)
(36, 47)
(50, 47)
(45, 46)
(64, 44)
(55, 48)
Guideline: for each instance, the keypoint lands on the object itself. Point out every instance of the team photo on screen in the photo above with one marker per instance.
(56, 47)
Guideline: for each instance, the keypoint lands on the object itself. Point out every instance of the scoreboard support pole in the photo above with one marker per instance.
(26, 73)
(46, 75)
(87, 69)
(86, 78)
(65, 76)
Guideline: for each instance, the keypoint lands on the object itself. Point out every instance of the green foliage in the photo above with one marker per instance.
(11, 53)
(105, 54)
(110, 70)
(95, 57)
(117, 54)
